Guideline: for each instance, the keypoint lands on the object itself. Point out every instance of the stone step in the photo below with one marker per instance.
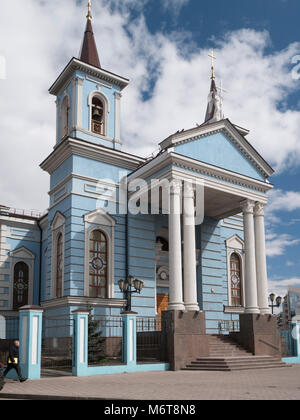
(227, 364)
(230, 369)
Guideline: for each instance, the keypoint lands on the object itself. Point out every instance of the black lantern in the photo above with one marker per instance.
(130, 286)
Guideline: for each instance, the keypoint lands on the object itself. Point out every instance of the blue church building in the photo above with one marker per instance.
(105, 223)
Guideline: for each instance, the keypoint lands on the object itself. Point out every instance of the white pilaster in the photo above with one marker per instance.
(190, 264)
(250, 265)
(175, 262)
(118, 97)
(261, 261)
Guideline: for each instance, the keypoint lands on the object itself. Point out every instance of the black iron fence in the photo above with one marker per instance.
(149, 340)
(57, 343)
(9, 331)
(105, 340)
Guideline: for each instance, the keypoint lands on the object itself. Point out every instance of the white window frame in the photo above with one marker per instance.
(235, 245)
(57, 227)
(100, 220)
(21, 255)
(106, 110)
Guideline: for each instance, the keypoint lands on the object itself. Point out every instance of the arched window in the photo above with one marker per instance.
(21, 285)
(65, 117)
(235, 280)
(98, 116)
(98, 264)
(59, 265)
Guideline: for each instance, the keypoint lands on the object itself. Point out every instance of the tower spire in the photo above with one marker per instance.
(89, 53)
(89, 15)
(214, 110)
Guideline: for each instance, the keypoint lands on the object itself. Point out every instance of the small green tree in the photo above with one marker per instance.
(96, 347)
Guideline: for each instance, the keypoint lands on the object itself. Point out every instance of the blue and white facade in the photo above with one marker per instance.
(87, 241)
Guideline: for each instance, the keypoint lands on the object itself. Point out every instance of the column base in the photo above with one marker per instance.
(265, 311)
(252, 311)
(176, 307)
(192, 307)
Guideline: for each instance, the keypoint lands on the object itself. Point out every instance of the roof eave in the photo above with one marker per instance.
(76, 64)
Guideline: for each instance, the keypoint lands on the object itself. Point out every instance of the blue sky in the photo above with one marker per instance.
(162, 46)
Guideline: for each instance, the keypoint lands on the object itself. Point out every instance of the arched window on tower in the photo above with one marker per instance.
(98, 264)
(59, 265)
(235, 280)
(65, 117)
(21, 285)
(98, 116)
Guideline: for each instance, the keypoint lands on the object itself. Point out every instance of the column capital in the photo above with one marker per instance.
(259, 209)
(175, 187)
(248, 206)
(188, 190)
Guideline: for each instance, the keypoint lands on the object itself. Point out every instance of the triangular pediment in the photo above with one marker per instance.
(220, 144)
(22, 253)
(99, 217)
(58, 221)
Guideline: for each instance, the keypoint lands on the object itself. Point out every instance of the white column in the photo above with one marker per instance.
(175, 263)
(261, 260)
(250, 266)
(190, 264)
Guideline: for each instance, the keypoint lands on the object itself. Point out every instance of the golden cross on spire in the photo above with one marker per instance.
(89, 15)
(213, 58)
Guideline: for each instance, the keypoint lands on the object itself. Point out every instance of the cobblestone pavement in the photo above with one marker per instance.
(273, 384)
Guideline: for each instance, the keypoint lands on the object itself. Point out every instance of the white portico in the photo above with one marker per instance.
(226, 193)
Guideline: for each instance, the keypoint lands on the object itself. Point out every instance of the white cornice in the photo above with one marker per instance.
(92, 151)
(226, 127)
(221, 175)
(78, 301)
(96, 72)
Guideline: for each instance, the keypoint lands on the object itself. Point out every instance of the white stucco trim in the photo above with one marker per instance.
(104, 99)
(21, 255)
(57, 228)
(100, 220)
(235, 245)
(61, 120)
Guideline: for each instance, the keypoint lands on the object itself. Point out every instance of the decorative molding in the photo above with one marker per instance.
(84, 301)
(248, 206)
(231, 132)
(100, 220)
(92, 71)
(259, 210)
(71, 146)
(235, 245)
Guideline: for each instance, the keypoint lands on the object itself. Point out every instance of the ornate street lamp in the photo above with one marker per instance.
(275, 301)
(126, 287)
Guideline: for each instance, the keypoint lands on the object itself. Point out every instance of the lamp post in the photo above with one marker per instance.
(275, 301)
(126, 287)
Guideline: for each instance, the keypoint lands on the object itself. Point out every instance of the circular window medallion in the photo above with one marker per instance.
(97, 263)
(235, 279)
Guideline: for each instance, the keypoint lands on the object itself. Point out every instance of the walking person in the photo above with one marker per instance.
(13, 361)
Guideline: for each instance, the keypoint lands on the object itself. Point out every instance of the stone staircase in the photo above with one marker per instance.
(226, 356)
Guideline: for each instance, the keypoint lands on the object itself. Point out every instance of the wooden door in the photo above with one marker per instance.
(162, 303)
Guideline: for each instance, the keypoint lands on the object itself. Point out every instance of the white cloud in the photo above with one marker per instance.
(40, 38)
(280, 286)
(276, 244)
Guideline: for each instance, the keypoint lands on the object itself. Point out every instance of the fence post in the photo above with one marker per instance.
(296, 336)
(129, 338)
(30, 336)
(80, 342)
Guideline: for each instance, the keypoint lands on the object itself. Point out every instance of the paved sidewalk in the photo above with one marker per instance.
(274, 384)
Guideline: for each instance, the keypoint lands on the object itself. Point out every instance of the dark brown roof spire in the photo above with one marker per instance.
(89, 53)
